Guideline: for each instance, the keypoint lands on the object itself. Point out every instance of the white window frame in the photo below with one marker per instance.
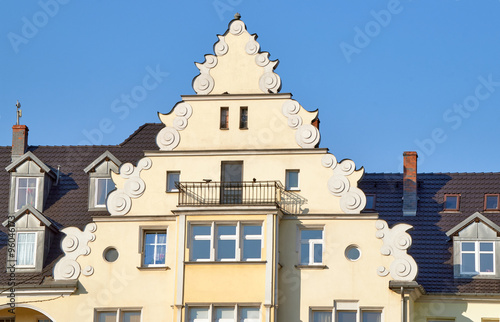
(477, 257)
(119, 312)
(17, 191)
(156, 232)
(34, 248)
(288, 187)
(311, 243)
(96, 195)
(371, 310)
(214, 240)
(174, 188)
(212, 309)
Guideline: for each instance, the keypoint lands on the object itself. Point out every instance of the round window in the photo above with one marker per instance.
(110, 254)
(353, 253)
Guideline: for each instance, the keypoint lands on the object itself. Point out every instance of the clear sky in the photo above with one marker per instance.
(386, 76)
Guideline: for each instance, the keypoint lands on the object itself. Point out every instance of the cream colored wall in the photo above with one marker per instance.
(468, 309)
(313, 179)
(267, 126)
(302, 289)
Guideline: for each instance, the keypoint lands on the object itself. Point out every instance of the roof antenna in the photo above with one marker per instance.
(19, 112)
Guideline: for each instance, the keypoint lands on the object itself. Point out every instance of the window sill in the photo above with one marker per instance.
(311, 267)
(225, 262)
(153, 268)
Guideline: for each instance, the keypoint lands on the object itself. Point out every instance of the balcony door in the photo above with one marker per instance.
(231, 182)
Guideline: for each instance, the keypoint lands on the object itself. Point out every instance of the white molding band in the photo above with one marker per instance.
(119, 201)
(396, 242)
(74, 244)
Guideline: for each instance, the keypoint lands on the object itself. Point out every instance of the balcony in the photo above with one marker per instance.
(248, 193)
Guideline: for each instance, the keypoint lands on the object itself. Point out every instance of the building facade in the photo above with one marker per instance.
(228, 210)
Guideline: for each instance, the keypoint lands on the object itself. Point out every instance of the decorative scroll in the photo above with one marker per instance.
(169, 137)
(204, 83)
(396, 242)
(74, 244)
(352, 199)
(120, 201)
(306, 135)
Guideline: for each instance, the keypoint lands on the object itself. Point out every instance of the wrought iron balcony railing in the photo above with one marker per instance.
(239, 193)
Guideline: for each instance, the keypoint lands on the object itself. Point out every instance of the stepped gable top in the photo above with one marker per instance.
(238, 66)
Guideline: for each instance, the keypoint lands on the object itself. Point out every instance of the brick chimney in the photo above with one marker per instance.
(19, 140)
(410, 197)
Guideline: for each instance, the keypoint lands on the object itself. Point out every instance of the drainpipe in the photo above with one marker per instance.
(403, 305)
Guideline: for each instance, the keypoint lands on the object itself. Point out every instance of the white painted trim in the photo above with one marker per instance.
(173, 153)
(269, 263)
(133, 218)
(331, 217)
(181, 246)
(232, 97)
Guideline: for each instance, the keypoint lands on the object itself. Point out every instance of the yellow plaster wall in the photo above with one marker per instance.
(303, 289)
(458, 310)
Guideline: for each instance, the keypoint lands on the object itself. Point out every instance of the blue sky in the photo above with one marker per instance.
(386, 76)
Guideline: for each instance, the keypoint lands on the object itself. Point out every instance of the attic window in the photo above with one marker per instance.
(26, 192)
(243, 117)
(103, 186)
(452, 202)
(491, 202)
(370, 202)
(224, 118)
(100, 182)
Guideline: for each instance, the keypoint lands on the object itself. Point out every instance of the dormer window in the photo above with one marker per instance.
(100, 182)
(26, 249)
(26, 192)
(370, 202)
(491, 202)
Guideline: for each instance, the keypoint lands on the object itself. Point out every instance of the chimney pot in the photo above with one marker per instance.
(410, 197)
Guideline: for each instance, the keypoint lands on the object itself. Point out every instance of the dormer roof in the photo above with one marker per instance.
(106, 156)
(474, 218)
(29, 209)
(29, 156)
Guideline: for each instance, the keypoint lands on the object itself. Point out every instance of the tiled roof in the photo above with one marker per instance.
(67, 204)
(431, 248)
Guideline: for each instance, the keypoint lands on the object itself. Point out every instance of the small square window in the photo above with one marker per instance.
(173, 178)
(311, 246)
(26, 192)
(103, 186)
(452, 202)
(370, 202)
(292, 180)
(155, 248)
(243, 117)
(224, 118)
(491, 202)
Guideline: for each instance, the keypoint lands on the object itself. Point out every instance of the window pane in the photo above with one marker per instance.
(322, 316)
(491, 202)
(201, 230)
(149, 254)
(26, 249)
(150, 238)
(370, 202)
(292, 179)
(346, 316)
(243, 117)
(224, 118)
(304, 253)
(172, 179)
(486, 263)
(451, 202)
(251, 249)
(226, 249)
(318, 253)
(132, 317)
(311, 234)
(21, 198)
(371, 317)
(107, 316)
(249, 315)
(468, 247)
(201, 249)
(486, 247)
(252, 230)
(468, 263)
(224, 314)
(226, 230)
(198, 315)
(160, 254)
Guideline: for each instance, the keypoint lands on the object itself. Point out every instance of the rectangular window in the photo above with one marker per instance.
(452, 202)
(224, 314)
(103, 186)
(322, 316)
(224, 118)
(243, 117)
(119, 315)
(26, 249)
(106, 316)
(230, 242)
(249, 314)
(371, 316)
(155, 248)
(292, 180)
(231, 182)
(173, 178)
(477, 258)
(346, 316)
(491, 202)
(370, 202)
(26, 192)
(198, 314)
(311, 246)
